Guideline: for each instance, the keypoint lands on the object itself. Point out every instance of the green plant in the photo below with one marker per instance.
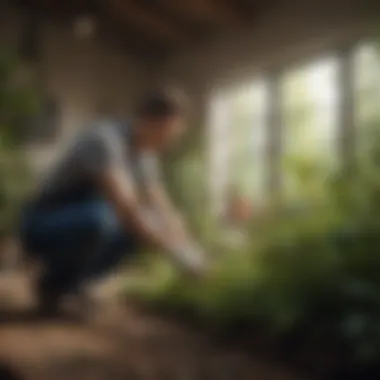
(17, 104)
(315, 270)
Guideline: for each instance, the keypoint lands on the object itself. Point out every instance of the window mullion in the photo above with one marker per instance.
(275, 139)
(346, 107)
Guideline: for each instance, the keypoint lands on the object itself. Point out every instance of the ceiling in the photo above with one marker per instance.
(153, 28)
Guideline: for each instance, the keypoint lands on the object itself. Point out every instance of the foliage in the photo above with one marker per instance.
(315, 268)
(312, 272)
(14, 182)
(17, 104)
(17, 96)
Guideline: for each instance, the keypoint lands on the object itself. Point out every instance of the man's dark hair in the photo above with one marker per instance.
(162, 103)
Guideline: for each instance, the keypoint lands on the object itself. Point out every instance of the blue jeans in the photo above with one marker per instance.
(76, 242)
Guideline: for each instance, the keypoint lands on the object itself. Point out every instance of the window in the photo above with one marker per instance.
(238, 142)
(367, 91)
(248, 138)
(310, 124)
(219, 150)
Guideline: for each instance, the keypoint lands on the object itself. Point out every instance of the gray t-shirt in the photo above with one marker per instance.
(102, 145)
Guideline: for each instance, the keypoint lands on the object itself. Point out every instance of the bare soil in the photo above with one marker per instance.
(113, 342)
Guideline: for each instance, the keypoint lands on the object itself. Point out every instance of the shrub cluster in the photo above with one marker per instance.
(313, 273)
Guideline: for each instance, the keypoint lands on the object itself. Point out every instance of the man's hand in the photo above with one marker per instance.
(169, 216)
(191, 260)
(198, 274)
(178, 229)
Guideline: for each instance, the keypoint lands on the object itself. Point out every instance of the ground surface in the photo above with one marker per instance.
(119, 343)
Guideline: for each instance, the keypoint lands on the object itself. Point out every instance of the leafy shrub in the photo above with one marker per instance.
(17, 104)
(316, 269)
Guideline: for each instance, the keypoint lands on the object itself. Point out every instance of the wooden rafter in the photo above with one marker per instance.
(171, 15)
(205, 11)
(139, 46)
(110, 25)
(251, 8)
(153, 27)
(139, 17)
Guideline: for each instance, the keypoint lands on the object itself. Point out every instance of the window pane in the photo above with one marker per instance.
(367, 90)
(219, 150)
(237, 142)
(310, 99)
(248, 139)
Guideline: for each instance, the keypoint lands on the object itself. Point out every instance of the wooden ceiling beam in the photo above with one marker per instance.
(250, 9)
(171, 15)
(246, 8)
(207, 11)
(59, 10)
(137, 40)
(131, 13)
(137, 45)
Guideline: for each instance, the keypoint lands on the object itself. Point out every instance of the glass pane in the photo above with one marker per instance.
(310, 97)
(237, 142)
(367, 91)
(219, 150)
(248, 139)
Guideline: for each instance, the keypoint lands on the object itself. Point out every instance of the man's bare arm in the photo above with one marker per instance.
(119, 189)
(161, 203)
(100, 155)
